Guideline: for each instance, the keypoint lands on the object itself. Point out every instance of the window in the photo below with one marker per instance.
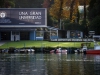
(39, 33)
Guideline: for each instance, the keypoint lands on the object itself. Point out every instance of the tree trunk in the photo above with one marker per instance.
(84, 9)
(60, 12)
(71, 9)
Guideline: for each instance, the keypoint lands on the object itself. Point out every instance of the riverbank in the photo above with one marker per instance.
(30, 44)
(36, 50)
(42, 46)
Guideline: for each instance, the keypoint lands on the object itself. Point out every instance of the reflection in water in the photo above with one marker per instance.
(49, 64)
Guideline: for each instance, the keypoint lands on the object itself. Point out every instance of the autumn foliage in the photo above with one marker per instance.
(69, 9)
(66, 9)
(54, 10)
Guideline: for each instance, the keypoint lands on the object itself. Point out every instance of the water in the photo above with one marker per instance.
(49, 64)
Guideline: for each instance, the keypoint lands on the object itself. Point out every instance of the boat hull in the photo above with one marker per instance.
(93, 52)
(61, 51)
(58, 51)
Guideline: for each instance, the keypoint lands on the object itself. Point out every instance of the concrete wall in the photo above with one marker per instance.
(54, 37)
(39, 38)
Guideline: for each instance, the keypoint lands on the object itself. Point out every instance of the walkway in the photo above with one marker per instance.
(2, 42)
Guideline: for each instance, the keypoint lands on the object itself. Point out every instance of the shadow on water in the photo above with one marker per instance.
(49, 64)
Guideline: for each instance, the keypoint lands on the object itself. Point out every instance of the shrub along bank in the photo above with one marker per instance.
(38, 49)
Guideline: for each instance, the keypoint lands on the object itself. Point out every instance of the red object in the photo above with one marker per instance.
(92, 51)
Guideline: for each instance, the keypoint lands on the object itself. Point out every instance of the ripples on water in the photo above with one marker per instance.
(49, 64)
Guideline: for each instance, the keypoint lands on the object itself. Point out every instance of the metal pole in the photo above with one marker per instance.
(24, 44)
(41, 46)
(60, 24)
(57, 38)
(42, 43)
(50, 34)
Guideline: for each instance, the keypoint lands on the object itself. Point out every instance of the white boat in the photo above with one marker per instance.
(27, 50)
(81, 50)
(30, 50)
(59, 50)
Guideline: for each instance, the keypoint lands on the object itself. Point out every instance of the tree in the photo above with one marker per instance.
(73, 26)
(64, 9)
(73, 9)
(94, 16)
(56, 9)
(28, 3)
(49, 21)
(95, 25)
(46, 4)
(78, 16)
(1, 3)
(84, 21)
(93, 9)
(84, 3)
(7, 3)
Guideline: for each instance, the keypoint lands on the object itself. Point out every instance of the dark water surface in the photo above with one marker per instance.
(49, 64)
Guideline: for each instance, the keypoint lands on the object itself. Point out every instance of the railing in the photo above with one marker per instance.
(73, 39)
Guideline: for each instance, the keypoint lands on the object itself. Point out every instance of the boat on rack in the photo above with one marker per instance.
(81, 50)
(59, 50)
(26, 51)
(96, 49)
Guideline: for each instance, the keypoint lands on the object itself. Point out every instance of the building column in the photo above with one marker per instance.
(81, 34)
(32, 35)
(68, 34)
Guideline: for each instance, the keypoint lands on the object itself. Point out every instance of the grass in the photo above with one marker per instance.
(21, 44)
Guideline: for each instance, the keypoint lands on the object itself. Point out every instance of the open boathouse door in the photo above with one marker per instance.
(5, 35)
(15, 36)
